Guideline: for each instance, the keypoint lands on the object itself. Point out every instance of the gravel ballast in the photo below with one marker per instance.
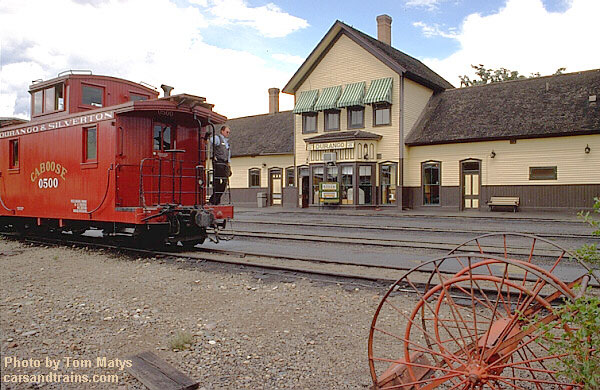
(245, 329)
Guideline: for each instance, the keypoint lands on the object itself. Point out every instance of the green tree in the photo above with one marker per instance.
(487, 76)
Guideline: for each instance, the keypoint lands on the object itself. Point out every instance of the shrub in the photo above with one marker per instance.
(181, 341)
(581, 347)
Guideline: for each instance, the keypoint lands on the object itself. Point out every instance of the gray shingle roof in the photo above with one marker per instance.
(528, 108)
(400, 62)
(415, 69)
(262, 134)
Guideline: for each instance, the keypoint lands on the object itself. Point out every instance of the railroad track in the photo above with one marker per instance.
(359, 273)
(470, 232)
(322, 271)
(387, 243)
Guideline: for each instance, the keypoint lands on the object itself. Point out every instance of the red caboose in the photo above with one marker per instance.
(107, 153)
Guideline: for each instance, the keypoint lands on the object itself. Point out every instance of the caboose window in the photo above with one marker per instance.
(49, 100)
(59, 97)
(13, 153)
(166, 138)
(135, 97)
(91, 96)
(90, 144)
(157, 137)
(38, 102)
(161, 137)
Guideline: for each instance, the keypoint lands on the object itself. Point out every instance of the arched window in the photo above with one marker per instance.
(431, 182)
(254, 177)
(290, 178)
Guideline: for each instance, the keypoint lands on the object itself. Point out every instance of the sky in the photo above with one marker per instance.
(233, 51)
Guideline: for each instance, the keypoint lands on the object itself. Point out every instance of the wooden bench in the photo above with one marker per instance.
(507, 201)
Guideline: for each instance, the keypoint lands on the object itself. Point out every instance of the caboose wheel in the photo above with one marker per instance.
(475, 328)
(149, 239)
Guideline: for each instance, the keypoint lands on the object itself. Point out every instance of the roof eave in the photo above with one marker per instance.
(503, 138)
(314, 57)
(262, 154)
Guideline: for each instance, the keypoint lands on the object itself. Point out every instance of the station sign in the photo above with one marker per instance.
(329, 192)
(332, 145)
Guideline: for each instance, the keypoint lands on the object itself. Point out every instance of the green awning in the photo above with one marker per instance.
(328, 98)
(380, 91)
(353, 95)
(306, 101)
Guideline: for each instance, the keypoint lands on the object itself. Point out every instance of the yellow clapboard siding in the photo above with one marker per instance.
(416, 97)
(241, 165)
(511, 164)
(347, 62)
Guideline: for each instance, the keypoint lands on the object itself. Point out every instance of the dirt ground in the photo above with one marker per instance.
(248, 330)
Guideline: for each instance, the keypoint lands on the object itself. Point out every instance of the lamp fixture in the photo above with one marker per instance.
(493, 154)
(587, 149)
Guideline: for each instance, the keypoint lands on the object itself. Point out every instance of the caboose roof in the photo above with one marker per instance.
(182, 103)
(46, 83)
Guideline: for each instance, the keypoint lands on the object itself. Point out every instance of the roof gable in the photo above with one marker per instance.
(529, 108)
(393, 58)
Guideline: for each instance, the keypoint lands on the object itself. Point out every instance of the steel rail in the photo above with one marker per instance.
(409, 228)
(229, 259)
(377, 242)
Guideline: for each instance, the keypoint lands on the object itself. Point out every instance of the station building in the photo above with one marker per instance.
(262, 160)
(392, 132)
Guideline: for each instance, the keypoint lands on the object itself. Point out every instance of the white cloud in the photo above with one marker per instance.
(435, 30)
(268, 19)
(102, 36)
(429, 4)
(288, 58)
(524, 36)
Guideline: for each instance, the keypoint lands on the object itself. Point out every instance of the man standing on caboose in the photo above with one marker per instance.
(221, 169)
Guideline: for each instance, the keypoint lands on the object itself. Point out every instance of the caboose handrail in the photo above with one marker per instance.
(2, 202)
(105, 193)
(177, 175)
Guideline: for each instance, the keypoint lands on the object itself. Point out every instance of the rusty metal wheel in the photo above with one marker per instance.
(473, 324)
(529, 248)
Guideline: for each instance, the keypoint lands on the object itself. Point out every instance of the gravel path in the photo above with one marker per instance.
(248, 330)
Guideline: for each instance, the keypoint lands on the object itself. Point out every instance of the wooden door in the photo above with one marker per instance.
(276, 185)
(305, 191)
(471, 183)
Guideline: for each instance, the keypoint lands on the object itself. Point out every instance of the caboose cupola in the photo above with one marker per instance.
(47, 99)
(77, 91)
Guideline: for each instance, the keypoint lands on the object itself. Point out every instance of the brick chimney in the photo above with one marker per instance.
(384, 29)
(273, 100)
